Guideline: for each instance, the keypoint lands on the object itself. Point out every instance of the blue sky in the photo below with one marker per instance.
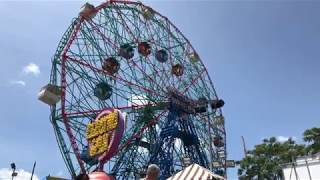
(263, 57)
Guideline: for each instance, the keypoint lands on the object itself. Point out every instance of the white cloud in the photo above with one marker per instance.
(18, 82)
(284, 138)
(5, 174)
(32, 68)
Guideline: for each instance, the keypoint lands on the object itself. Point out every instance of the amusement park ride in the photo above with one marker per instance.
(126, 90)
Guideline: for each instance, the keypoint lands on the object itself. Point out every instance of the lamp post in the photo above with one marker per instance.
(14, 173)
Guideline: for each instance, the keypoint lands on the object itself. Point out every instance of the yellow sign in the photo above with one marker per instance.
(98, 132)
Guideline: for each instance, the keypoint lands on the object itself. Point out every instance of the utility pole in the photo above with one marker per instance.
(244, 147)
(34, 166)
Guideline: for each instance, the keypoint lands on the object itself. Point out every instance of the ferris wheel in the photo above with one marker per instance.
(127, 65)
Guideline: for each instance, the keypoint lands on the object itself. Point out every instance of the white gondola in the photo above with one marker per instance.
(88, 11)
(50, 94)
(221, 154)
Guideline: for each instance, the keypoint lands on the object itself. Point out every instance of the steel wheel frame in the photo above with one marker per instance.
(68, 116)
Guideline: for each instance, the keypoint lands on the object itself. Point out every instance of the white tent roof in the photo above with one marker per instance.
(195, 172)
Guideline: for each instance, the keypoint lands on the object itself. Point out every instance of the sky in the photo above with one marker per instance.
(263, 58)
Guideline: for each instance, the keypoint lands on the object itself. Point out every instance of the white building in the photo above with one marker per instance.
(305, 168)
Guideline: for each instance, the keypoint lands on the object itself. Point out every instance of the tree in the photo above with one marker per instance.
(264, 161)
(312, 136)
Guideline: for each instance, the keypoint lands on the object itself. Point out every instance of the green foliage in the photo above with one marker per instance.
(312, 136)
(264, 161)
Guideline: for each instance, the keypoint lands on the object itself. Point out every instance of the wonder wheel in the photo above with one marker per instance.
(123, 60)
